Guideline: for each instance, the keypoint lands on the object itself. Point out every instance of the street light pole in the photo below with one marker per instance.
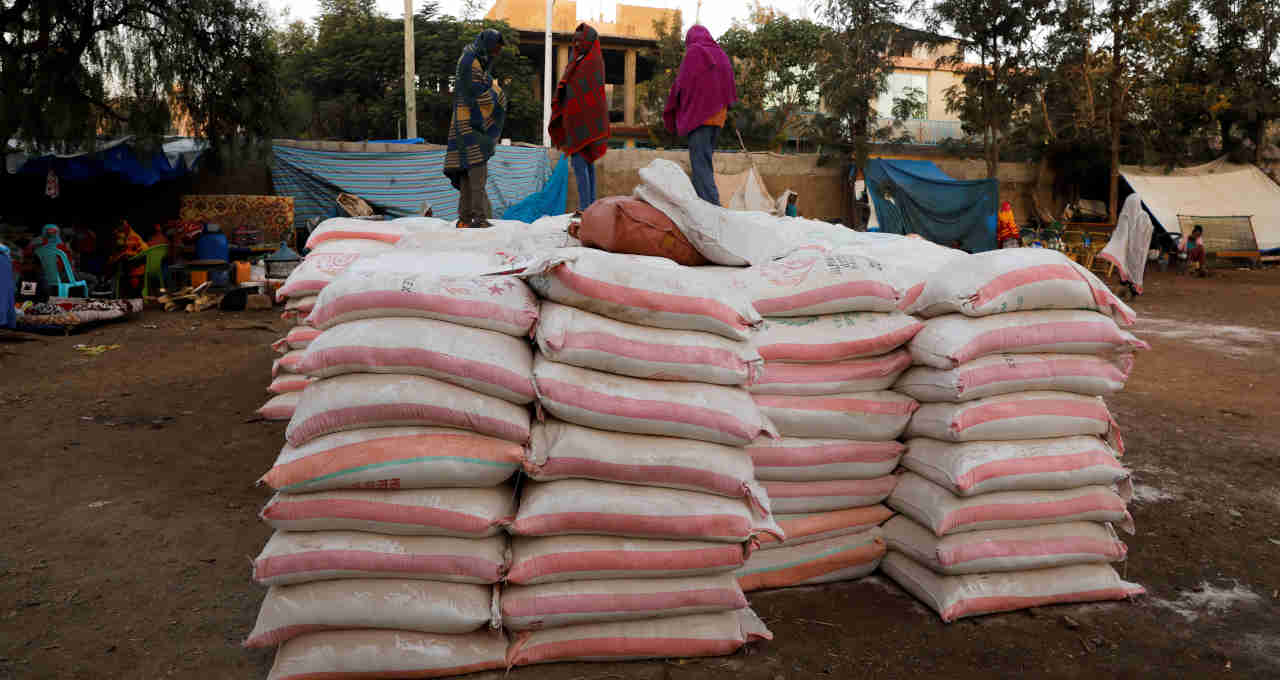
(410, 76)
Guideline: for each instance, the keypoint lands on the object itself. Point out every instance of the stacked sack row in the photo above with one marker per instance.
(394, 489)
(1013, 484)
(832, 344)
(333, 246)
(641, 500)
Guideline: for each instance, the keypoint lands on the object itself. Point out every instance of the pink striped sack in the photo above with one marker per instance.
(397, 604)
(1017, 279)
(385, 231)
(553, 605)
(289, 382)
(577, 557)
(497, 303)
(697, 635)
(559, 450)
(1024, 415)
(361, 400)
(323, 264)
(955, 597)
(394, 458)
(303, 556)
(811, 282)
(944, 513)
(948, 341)
(298, 307)
(465, 513)
(280, 407)
(1007, 373)
(868, 416)
(484, 361)
(580, 506)
(972, 468)
(808, 527)
(854, 375)
(363, 654)
(298, 337)
(979, 552)
(791, 459)
(647, 291)
(289, 363)
(713, 413)
(834, 337)
(834, 559)
(824, 496)
(572, 336)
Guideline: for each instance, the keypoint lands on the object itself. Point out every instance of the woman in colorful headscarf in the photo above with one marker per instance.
(1007, 233)
(479, 111)
(699, 105)
(580, 113)
(128, 245)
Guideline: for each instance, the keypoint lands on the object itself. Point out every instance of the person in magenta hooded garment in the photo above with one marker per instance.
(699, 105)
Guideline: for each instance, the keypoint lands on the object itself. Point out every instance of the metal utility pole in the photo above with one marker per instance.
(546, 79)
(410, 75)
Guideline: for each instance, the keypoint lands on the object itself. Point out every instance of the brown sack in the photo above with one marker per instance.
(621, 224)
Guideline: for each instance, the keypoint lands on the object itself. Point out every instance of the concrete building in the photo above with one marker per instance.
(628, 43)
(916, 67)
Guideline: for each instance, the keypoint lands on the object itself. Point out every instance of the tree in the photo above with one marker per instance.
(1002, 84)
(853, 70)
(774, 60)
(1243, 63)
(667, 58)
(66, 66)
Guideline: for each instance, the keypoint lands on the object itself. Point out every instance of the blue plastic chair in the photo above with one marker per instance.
(50, 257)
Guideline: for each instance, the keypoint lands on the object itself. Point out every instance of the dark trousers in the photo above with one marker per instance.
(702, 141)
(473, 202)
(584, 173)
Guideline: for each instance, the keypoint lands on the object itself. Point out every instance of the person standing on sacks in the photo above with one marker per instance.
(698, 105)
(479, 111)
(580, 113)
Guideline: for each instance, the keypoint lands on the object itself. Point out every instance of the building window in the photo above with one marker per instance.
(905, 86)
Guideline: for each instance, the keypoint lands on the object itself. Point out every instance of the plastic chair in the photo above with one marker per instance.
(50, 259)
(154, 258)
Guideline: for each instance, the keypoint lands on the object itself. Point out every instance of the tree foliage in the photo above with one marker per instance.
(653, 94)
(1000, 87)
(69, 69)
(345, 74)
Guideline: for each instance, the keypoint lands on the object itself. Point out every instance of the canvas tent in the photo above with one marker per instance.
(745, 191)
(916, 197)
(1217, 189)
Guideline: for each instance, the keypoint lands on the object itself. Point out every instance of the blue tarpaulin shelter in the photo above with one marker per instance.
(397, 182)
(928, 202)
(550, 201)
(121, 158)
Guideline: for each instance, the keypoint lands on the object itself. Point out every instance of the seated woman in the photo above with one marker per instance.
(1007, 233)
(1194, 248)
(128, 244)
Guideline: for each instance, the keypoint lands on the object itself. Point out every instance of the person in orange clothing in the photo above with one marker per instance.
(1007, 233)
(698, 105)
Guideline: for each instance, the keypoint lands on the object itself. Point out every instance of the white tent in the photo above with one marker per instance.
(1217, 188)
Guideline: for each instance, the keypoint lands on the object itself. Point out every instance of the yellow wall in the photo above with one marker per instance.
(632, 21)
(939, 81)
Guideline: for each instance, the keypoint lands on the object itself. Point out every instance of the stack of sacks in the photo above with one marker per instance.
(334, 245)
(1013, 482)
(643, 502)
(393, 491)
(832, 345)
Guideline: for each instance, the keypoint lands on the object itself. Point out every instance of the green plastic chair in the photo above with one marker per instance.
(154, 258)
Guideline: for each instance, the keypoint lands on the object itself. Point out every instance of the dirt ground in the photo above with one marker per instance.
(129, 517)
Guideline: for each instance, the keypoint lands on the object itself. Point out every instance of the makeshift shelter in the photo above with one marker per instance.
(916, 197)
(396, 181)
(745, 191)
(120, 157)
(1211, 192)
